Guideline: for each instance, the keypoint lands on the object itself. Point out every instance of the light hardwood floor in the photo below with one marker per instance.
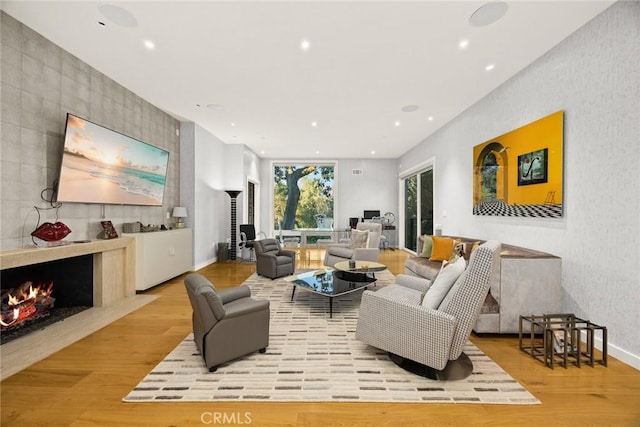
(83, 384)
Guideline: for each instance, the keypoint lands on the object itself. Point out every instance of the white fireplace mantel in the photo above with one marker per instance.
(114, 295)
(113, 265)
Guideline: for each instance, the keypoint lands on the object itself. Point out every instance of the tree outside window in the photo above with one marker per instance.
(302, 194)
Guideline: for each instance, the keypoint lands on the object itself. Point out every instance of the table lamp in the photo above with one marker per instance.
(180, 213)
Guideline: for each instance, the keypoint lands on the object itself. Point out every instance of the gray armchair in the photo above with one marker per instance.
(343, 252)
(429, 341)
(272, 261)
(227, 324)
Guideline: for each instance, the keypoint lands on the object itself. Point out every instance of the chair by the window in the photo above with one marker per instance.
(247, 238)
(346, 251)
(272, 261)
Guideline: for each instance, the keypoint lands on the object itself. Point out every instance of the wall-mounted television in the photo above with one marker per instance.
(102, 166)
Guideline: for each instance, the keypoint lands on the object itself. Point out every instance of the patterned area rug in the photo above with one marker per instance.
(312, 358)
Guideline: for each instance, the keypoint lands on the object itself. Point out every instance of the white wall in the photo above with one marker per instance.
(594, 76)
(375, 189)
(202, 185)
(233, 166)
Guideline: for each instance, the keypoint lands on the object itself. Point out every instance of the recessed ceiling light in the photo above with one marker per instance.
(233, 124)
(305, 45)
(409, 108)
(149, 44)
(373, 152)
(397, 124)
(118, 15)
(317, 151)
(314, 124)
(489, 67)
(488, 13)
(463, 44)
(430, 118)
(262, 152)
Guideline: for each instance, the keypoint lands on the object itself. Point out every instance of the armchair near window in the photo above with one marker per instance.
(272, 261)
(227, 324)
(369, 250)
(425, 340)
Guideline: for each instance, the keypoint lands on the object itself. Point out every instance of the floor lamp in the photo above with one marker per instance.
(232, 248)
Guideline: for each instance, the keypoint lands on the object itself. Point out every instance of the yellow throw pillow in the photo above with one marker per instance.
(442, 248)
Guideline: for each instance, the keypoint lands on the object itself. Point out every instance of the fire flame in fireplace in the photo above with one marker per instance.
(27, 301)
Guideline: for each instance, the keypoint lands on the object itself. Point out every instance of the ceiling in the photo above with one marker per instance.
(238, 69)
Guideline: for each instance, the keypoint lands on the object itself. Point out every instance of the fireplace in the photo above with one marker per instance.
(38, 295)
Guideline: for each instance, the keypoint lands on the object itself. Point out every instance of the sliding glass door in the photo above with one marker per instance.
(418, 207)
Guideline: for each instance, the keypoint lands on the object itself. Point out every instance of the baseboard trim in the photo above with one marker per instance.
(622, 355)
(614, 351)
(204, 264)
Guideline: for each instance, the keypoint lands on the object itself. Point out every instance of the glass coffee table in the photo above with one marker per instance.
(334, 283)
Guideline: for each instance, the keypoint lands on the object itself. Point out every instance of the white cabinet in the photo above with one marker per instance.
(162, 255)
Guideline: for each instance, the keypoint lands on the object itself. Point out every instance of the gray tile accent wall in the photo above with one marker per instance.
(41, 83)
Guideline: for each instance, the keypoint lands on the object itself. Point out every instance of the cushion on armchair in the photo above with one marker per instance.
(341, 251)
(359, 239)
(413, 282)
(443, 282)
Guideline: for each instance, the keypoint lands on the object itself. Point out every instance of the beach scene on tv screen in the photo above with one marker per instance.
(103, 166)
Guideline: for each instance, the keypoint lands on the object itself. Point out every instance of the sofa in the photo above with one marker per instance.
(526, 282)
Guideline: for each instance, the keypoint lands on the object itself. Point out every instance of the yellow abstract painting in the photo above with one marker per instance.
(520, 173)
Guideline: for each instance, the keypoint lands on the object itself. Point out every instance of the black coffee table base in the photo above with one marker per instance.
(341, 283)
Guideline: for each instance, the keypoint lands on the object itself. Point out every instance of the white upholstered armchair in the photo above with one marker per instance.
(423, 340)
(369, 249)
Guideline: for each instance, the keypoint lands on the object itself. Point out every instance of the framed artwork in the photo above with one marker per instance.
(109, 230)
(520, 173)
(532, 167)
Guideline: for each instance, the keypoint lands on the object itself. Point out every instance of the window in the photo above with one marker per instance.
(303, 195)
